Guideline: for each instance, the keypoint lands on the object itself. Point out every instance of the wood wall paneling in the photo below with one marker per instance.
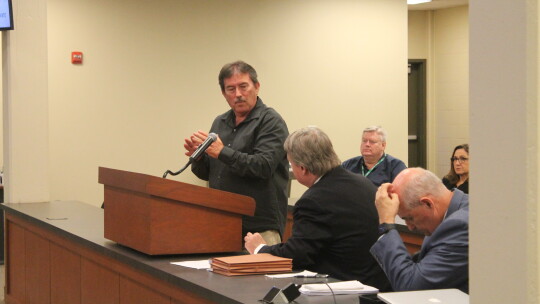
(64, 271)
(38, 280)
(98, 284)
(14, 262)
(134, 293)
(65, 276)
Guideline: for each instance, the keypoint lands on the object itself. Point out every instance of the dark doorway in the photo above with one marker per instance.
(417, 113)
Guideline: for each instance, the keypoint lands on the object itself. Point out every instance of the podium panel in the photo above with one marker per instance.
(158, 216)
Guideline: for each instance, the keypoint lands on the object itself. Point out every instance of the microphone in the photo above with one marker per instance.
(202, 147)
(212, 137)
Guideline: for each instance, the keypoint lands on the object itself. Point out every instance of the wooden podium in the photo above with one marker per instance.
(158, 216)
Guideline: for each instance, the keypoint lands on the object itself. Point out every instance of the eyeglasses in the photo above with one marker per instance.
(459, 159)
(371, 142)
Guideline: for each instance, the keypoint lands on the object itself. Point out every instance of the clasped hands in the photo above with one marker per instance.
(191, 143)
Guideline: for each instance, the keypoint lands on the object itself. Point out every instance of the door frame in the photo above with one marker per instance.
(422, 110)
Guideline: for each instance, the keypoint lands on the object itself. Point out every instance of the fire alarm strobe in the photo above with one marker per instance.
(76, 57)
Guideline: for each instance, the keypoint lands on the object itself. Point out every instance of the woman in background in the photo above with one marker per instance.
(458, 177)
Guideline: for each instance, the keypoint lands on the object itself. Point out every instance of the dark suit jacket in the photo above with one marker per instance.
(443, 260)
(335, 224)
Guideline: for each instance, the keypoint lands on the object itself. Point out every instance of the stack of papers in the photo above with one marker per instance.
(346, 287)
(250, 264)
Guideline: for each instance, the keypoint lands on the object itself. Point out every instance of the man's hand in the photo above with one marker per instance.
(387, 204)
(191, 145)
(253, 240)
(197, 138)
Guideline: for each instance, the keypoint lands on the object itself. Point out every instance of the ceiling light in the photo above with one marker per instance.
(417, 1)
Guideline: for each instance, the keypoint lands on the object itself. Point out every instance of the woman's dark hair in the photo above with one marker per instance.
(452, 176)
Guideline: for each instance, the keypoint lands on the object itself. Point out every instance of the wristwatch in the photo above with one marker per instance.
(385, 227)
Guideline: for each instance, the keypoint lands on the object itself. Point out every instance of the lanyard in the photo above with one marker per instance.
(367, 173)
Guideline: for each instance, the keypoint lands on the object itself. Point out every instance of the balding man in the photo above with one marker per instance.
(420, 198)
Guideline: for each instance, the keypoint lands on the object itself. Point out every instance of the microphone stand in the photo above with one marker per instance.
(179, 171)
(196, 154)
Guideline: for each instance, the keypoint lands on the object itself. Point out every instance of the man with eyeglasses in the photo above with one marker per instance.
(419, 197)
(374, 163)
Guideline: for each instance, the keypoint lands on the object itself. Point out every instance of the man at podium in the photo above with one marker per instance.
(248, 156)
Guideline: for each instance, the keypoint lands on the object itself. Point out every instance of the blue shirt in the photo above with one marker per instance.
(385, 172)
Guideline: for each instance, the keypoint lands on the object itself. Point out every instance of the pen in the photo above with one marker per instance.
(312, 276)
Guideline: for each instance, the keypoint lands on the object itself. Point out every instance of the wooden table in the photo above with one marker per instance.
(56, 253)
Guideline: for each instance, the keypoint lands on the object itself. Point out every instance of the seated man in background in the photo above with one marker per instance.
(374, 164)
(335, 220)
(420, 198)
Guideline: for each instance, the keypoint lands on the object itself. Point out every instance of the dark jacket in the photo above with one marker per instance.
(253, 163)
(335, 224)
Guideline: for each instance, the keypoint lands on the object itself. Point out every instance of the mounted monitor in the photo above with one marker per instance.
(6, 15)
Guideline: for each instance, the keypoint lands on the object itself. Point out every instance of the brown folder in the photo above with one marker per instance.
(251, 264)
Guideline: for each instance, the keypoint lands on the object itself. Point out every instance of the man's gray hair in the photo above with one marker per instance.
(378, 129)
(425, 183)
(311, 148)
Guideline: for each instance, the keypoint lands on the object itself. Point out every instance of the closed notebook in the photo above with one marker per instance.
(251, 264)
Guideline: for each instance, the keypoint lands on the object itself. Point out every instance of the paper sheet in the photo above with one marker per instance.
(346, 287)
(292, 275)
(200, 264)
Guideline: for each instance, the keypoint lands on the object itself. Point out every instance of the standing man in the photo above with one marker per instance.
(420, 198)
(335, 220)
(374, 164)
(248, 157)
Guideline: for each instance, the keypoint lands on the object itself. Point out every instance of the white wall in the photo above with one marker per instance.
(450, 83)
(419, 34)
(25, 106)
(442, 38)
(149, 77)
(504, 117)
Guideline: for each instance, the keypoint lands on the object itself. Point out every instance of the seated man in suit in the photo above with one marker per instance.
(420, 198)
(335, 220)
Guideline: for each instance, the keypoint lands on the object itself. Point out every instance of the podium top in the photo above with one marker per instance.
(178, 191)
